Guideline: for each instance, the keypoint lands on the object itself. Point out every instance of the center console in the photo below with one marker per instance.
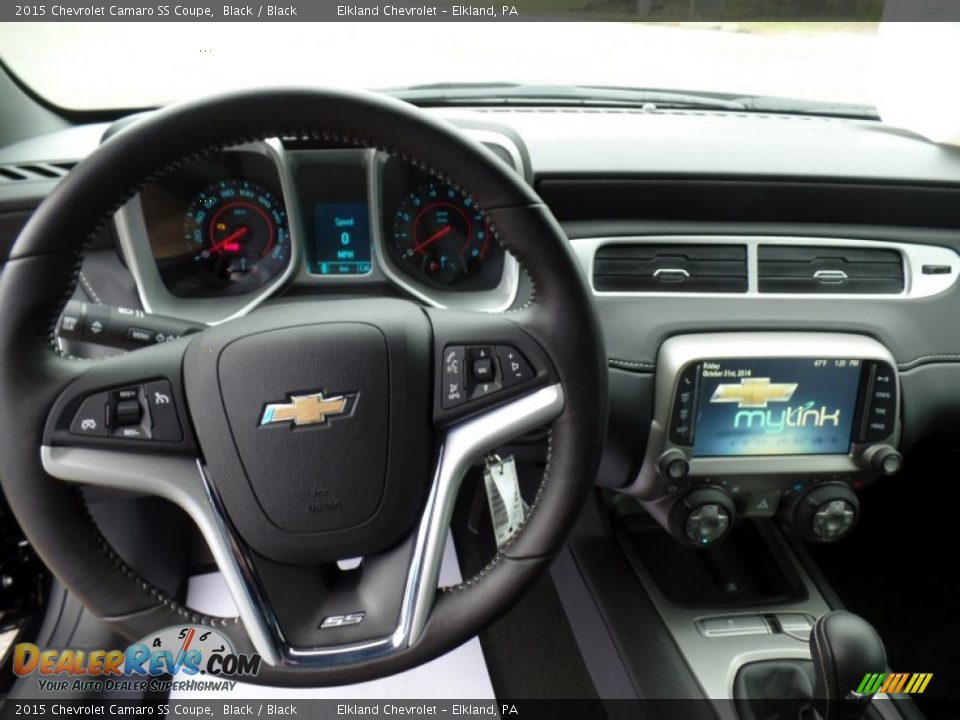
(768, 424)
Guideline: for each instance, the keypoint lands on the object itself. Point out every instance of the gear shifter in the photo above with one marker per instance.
(844, 648)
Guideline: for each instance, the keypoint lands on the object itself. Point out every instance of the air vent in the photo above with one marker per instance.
(639, 267)
(34, 171)
(840, 270)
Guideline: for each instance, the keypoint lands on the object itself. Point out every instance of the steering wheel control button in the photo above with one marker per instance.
(453, 392)
(514, 365)
(91, 418)
(733, 626)
(763, 503)
(128, 412)
(483, 369)
(163, 411)
(483, 378)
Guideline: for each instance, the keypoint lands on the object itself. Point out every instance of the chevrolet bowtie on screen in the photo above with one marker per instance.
(549, 359)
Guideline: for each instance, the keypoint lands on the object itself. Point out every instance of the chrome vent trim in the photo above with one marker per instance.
(916, 257)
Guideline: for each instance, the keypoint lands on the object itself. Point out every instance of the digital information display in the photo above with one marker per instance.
(749, 407)
(341, 239)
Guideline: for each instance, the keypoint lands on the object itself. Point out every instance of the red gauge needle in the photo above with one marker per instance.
(420, 247)
(229, 242)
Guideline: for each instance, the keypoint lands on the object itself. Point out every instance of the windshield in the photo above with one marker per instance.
(130, 65)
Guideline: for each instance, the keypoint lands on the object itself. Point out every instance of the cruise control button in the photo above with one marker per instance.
(163, 411)
(91, 418)
(133, 432)
(128, 412)
(514, 366)
(452, 390)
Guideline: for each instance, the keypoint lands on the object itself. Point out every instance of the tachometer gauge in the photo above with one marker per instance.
(236, 232)
(439, 233)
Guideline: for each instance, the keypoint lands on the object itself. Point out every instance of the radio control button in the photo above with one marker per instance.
(674, 465)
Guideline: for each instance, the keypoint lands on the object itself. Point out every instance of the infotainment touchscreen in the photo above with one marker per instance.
(782, 406)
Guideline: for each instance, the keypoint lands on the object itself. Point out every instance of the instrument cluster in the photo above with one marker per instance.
(239, 223)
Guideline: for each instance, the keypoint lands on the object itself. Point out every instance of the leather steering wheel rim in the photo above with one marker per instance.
(44, 263)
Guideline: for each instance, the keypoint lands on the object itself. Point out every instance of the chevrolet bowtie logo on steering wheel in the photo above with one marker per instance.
(308, 409)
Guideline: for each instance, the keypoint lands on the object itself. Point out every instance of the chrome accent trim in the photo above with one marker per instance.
(365, 158)
(134, 244)
(183, 481)
(829, 277)
(675, 271)
(464, 442)
(915, 256)
(499, 299)
(679, 351)
(178, 480)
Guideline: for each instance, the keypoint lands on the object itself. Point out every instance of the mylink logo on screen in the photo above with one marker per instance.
(753, 395)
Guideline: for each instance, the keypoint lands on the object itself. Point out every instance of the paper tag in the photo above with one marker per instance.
(507, 507)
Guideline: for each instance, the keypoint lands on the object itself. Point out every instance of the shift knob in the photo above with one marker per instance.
(844, 648)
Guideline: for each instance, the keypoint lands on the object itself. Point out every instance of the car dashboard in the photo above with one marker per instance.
(777, 294)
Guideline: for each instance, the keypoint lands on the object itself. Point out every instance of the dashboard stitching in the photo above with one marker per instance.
(631, 364)
(926, 359)
(88, 288)
(102, 542)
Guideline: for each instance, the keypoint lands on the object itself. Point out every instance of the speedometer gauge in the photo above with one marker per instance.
(440, 234)
(236, 232)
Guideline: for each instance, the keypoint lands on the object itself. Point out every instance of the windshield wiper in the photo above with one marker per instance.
(497, 93)
(565, 95)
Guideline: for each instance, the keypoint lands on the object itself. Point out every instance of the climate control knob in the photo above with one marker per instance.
(703, 517)
(826, 513)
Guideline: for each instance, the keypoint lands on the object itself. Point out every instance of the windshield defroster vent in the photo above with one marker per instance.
(34, 171)
(639, 267)
(835, 270)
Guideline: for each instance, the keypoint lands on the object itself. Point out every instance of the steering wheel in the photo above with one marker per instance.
(307, 431)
